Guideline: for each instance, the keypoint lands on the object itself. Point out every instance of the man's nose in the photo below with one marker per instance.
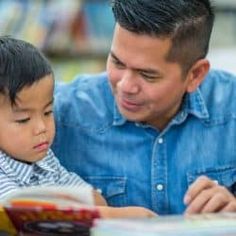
(129, 82)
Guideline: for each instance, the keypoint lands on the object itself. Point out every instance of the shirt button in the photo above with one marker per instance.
(160, 140)
(159, 187)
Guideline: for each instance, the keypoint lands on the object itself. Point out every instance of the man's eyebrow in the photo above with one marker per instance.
(115, 57)
(149, 71)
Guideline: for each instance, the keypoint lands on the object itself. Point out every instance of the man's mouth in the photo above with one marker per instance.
(129, 105)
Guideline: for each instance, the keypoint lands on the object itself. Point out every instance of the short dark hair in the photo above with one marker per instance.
(21, 64)
(188, 23)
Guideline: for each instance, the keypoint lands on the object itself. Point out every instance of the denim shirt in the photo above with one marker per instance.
(135, 164)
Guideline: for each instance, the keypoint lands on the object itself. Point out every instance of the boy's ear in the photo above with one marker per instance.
(197, 74)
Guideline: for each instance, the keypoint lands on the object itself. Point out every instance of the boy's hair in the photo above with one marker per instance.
(188, 23)
(21, 64)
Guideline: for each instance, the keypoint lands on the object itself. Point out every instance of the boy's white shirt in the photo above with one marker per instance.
(53, 178)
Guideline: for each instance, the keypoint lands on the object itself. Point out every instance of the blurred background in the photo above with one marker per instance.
(222, 53)
(76, 35)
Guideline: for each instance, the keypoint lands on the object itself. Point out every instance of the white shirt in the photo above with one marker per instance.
(15, 174)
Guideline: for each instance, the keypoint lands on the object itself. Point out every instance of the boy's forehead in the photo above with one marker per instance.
(6, 106)
(4, 99)
(37, 95)
(42, 86)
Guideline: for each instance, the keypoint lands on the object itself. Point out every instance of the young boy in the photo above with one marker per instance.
(27, 126)
(26, 120)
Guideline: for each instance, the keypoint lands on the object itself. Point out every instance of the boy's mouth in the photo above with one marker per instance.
(42, 146)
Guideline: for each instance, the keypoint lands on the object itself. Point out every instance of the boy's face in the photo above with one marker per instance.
(27, 129)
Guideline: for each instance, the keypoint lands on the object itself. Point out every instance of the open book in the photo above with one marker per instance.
(214, 224)
(48, 211)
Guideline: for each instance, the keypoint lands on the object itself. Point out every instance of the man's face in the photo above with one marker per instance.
(27, 128)
(146, 87)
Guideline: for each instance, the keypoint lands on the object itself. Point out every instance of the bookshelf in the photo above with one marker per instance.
(74, 34)
(223, 41)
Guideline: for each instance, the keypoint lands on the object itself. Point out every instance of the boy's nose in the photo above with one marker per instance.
(40, 127)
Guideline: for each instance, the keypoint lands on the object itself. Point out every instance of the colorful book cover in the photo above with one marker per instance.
(48, 211)
(6, 226)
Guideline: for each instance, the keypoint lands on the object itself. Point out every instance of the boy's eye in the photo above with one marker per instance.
(22, 121)
(47, 113)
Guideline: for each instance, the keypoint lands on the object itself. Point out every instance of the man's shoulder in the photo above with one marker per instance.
(220, 77)
(87, 79)
(86, 97)
(82, 88)
(82, 82)
(219, 82)
(218, 91)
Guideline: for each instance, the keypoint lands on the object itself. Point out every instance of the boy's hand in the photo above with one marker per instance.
(124, 212)
(206, 196)
(119, 212)
(99, 200)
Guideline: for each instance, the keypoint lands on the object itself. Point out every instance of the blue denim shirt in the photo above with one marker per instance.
(135, 164)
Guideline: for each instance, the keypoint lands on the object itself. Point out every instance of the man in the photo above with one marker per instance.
(157, 130)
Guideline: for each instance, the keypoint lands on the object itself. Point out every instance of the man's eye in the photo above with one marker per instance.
(47, 113)
(118, 63)
(150, 78)
(22, 121)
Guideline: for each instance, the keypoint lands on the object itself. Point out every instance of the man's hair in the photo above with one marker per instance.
(21, 64)
(188, 23)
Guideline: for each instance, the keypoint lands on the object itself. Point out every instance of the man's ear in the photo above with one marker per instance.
(196, 74)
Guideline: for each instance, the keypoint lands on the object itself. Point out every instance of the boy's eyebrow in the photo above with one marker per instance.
(19, 109)
(49, 103)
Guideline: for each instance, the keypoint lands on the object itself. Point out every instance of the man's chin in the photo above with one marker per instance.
(131, 116)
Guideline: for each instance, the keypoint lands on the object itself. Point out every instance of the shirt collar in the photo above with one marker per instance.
(48, 162)
(193, 103)
(22, 171)
(118, 119)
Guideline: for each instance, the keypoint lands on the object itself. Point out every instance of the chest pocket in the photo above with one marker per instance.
(112, 188)
(225, 176)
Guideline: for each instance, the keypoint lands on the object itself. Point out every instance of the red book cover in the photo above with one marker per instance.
(51, 211)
